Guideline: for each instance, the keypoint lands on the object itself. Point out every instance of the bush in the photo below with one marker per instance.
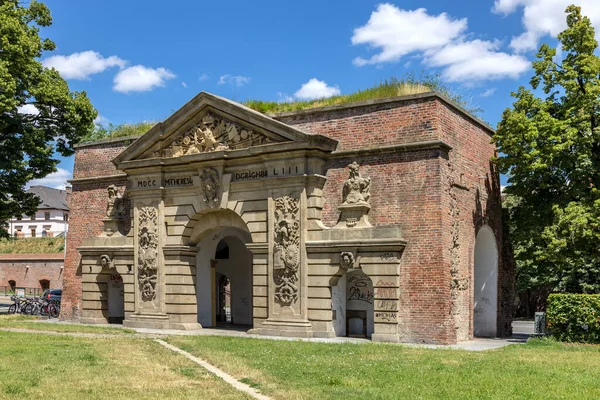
(574, 317)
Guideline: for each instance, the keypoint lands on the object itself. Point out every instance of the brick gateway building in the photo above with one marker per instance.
(380, 219)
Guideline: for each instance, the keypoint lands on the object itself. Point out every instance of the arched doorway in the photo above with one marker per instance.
(485, 296)
(116, 299)
(352, 303)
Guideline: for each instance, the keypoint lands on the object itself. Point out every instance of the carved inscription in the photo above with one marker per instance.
(286, 250)
(147, 252)
(212, 134)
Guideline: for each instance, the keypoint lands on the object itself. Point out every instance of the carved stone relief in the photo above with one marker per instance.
(210, 186)
(347, 260)
(106, 262)
(114, 205)
(356, 188)
(212, 133)
(286, 250)
(148, 252)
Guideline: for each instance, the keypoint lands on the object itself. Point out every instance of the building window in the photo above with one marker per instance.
(44, 233)
(19, 218)
(12, 285)
(32, 232)
(32, 217)
(47, 216)
(65, 217)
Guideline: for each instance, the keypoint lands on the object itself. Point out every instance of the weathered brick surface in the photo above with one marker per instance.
(440, 199)
(88, 207)
(27, 270)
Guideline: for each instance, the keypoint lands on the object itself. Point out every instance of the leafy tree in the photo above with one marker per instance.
(114, 131)
(550, 140)
(60, 117)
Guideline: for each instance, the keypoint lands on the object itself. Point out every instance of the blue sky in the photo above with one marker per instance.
(143, 60)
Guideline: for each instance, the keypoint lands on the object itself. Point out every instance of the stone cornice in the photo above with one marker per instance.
(97, 179)
(395, 148)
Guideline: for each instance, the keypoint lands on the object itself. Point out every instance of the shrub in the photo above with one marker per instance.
(574, 317)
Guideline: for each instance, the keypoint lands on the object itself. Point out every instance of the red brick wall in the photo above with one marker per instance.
(88, 208)
(41, 266)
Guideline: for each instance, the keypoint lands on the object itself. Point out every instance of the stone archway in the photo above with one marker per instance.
(221, 237)
(353, 304)
(485, 288)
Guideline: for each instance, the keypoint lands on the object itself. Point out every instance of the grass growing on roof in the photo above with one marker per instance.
(301, 370)
(391, 87)
(32, 245)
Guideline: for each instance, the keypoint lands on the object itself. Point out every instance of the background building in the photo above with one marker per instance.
(51, 218)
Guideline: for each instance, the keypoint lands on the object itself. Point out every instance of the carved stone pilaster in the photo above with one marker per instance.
(286, 250)
(147, 262)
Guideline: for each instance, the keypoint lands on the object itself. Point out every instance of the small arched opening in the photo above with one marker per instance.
(352, 303)
(44, 284)
(13, 285)
(112, 292)
(485, 296)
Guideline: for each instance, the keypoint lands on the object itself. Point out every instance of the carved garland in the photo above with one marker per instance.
(286, 251)
(148, 252)
(212, 134)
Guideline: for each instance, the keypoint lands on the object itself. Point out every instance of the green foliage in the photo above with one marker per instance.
(32, 245)
(115, 131)
(550, 149)
(574, 317)
(28, 141)
(389, 88)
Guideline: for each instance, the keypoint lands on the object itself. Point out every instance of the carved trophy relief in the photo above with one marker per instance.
(212, 133)
(286, 250)
(114, 205)
(356, 188)
(147, 252)
(210, 186)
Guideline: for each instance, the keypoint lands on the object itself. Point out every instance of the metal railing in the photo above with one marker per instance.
(8, 291)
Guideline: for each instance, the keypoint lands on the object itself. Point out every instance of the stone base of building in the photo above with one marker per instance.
(158, 321)
(286, 329)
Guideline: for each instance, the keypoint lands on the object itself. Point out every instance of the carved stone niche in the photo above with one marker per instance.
(355, 206)
(114, 213)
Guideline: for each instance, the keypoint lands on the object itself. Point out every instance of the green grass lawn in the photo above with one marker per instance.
(33, 323)
(300, 370)
(38, 366)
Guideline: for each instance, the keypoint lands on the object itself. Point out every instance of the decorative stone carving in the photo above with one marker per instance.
(147, 252)
(212, 134)
(347, 260)
(106, 262)
(286, 250)
(356, 188)
(355, 200)
(114, 206)
(211, 187)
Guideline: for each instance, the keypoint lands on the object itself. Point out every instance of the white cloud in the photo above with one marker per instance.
(284, 98)
(28, 109)
(316, 89)
(56, 180)
(237, 80)
(488, 92)
(545, 17)
(141, 79)
(400, 32)
(100, 120)
(184, 84)
(476, 60)
(82, 65)
(439, 40)
(203, 77)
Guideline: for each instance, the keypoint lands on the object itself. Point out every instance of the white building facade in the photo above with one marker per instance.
(51, 218)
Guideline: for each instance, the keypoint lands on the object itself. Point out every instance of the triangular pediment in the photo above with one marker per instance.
(212, 124)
